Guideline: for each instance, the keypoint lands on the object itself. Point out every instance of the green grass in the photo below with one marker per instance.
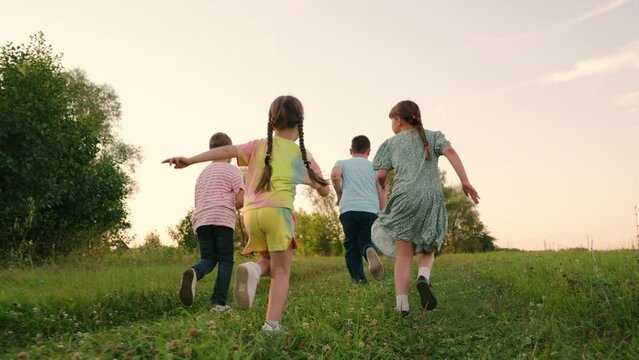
(503, 305)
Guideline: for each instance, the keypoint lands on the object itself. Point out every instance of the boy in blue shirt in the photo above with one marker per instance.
(359, 199)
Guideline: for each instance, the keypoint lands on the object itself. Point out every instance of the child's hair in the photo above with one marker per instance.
(219, 139)
(285, 112)
(409, 111)
(360, 144)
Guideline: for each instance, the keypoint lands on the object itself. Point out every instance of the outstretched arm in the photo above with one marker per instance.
(456, 163)
(218, 153)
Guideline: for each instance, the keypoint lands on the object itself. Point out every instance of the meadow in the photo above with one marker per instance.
(500, 305)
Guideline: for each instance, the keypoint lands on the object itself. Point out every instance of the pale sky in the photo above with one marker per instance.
(540, 98)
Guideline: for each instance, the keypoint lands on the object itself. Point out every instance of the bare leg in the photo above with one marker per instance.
(403, 259)
(426, 295)
(280, 270)
(426, 260)
(265, 263)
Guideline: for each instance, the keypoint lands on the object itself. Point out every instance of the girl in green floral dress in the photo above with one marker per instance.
(414, 220)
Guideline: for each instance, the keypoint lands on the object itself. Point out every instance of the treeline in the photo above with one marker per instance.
(319, 232)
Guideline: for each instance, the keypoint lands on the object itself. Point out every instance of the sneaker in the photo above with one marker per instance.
(272, 328)
(187, 289)
(245, 286)
(426, 294)
(374, 264)
(220, 308)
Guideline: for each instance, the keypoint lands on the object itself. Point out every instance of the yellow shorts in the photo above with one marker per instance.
(269, 229)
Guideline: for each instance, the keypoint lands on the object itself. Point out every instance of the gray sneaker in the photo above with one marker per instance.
(220, 308)
(374, 264)
(272, 328)
(187, 289)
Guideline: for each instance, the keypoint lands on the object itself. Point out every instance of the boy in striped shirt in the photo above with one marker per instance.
(219, 192)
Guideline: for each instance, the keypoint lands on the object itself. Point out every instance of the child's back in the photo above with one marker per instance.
(359, 187)
(359, 200)
(215, 195)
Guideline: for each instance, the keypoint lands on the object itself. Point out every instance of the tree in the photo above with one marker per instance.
(63, 172)
(466, 232)
(319, 232)
(152, 241)
(183, 233)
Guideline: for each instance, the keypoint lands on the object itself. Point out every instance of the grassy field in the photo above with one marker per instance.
(503, 305)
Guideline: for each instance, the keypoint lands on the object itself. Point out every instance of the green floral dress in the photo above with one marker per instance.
(415, 211)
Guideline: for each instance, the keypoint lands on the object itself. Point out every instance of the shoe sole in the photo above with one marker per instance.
(187, 289)
(374, 264)
(426, 295)
(240, 288)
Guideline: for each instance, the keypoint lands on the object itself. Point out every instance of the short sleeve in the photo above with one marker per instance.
(440, 143)
(382, 158)
(237, 183)
(339, 164)
(244, 152)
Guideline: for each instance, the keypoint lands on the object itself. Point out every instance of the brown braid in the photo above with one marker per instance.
(409, 112)
(311, 173)
(265, 180)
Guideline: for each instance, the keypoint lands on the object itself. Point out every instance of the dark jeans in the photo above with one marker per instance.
(216, 247)
(357, 228)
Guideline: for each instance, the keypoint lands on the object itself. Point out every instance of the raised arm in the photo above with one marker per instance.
(218, 153)
(336, 179)
(457, 165)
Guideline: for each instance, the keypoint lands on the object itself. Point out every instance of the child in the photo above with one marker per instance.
(275, 166)
(359, 197)
(414, 220)
(219, 191)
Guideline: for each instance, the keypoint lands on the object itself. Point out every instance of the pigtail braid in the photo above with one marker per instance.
(265, 180)
(422, 136)
(311, 174)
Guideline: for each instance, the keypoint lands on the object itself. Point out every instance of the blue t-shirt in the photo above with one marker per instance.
(359, 188)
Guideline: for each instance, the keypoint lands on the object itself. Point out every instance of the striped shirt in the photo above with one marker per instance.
(215, 192)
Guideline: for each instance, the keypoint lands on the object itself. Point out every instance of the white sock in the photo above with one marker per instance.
(255, 268)
(424, 271)
(401, 302)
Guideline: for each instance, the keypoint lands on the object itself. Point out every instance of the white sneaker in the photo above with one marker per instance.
(245, 286)
(374, 264)
(187, 289)
(273, 328)
(220, 308)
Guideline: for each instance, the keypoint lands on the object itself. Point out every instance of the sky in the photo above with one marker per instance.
(540, 98)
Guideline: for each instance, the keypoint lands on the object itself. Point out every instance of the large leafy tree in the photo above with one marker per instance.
(466, 231)
(64, 174)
